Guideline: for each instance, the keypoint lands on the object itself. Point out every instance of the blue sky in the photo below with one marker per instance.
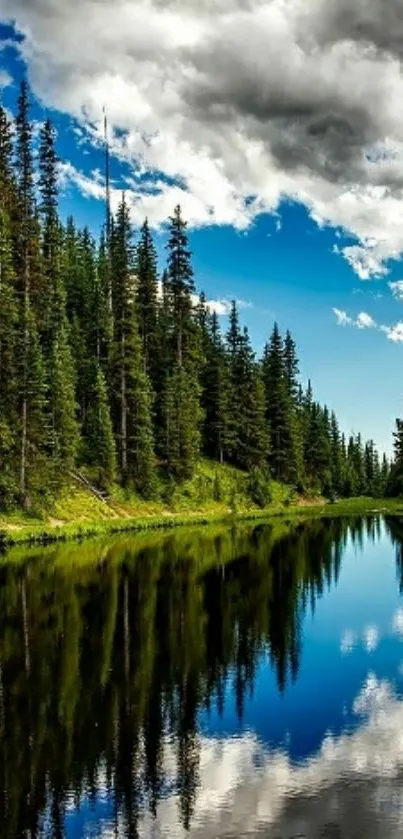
(292, 188)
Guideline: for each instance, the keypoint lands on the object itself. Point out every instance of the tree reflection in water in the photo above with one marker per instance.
(110, 651)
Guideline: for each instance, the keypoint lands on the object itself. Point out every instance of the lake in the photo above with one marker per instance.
(213, 682)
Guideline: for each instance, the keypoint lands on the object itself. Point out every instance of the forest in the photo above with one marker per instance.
(112, 366)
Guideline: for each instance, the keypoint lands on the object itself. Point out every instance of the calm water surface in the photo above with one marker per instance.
(206, 683)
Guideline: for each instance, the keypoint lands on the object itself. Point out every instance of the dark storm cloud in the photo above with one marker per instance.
(373, 22)
(306, 120)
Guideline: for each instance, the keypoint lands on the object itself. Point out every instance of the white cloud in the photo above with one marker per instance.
(362, 321)
(393, 333)
(397, 289)
(365, 321)
(342, 318)
(240, 104)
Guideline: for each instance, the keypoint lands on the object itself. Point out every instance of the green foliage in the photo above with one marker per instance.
(98, 441)
(281, 419)
(259, 486)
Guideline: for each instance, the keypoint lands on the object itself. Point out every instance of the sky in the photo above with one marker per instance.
(278, 126)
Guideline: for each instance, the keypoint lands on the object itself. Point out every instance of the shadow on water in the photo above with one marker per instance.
(109, 653)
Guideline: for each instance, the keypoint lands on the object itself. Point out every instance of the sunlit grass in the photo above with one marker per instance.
(215, 493)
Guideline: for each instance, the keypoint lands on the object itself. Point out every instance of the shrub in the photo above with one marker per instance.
(259, 489)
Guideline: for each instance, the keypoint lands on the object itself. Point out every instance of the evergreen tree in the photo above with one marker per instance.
(181, 421)
(181, 410)
(394, 485)
(132, 416)
(146, 295)
(180, 287)
(291, 366)
(30, 379)
(384, 476)
(337, 464)
(99, 446)
(233, 345)
(7, 180)
(215, 394)
(318, 449)
(57, 352)
(103, 307)
(8, 366)
(279, 411)
(252, 435)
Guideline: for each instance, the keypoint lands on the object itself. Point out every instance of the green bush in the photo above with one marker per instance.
(259, 489)
(217, 488)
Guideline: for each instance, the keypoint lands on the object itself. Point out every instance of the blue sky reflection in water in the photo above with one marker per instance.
(278, 712)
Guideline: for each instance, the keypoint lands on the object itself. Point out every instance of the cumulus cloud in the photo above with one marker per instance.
(238, 105)
(342, 318)
(365, 321)
(397, 289)
(362, 321)
(393, 333)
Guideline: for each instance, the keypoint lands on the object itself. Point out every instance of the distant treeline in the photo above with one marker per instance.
(107, 366)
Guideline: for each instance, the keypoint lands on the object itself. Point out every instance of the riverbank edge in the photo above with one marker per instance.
(44, 534)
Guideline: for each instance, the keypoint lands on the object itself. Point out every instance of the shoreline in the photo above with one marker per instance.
(42, 533)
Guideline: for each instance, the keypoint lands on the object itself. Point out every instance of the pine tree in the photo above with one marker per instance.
(215, 394)
(337, 465)
(395, 480)
(233, 345)
(384, 476)
(146, 295)
(181, 410)
(34, 467)
(291, 365)
(181, 421)
(8, 366)
(48, 180)
(31, 401)
(252, 436)
(279, 412)
(103, 307)
(99, 445)
(132, 415)
(318, 449)
(7, 179)
(57, 353)
(180, 287)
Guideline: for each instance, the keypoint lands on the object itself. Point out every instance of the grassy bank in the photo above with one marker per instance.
(216, 493)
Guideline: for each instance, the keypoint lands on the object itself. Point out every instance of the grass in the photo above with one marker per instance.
(214, 494)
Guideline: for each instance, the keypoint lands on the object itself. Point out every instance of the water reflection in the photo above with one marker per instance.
(117, 663)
